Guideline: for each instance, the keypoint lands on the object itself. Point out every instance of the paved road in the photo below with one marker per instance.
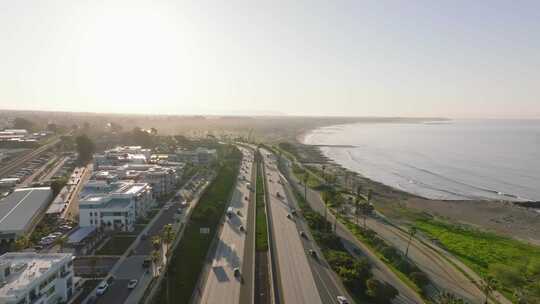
(328, 283)
(131, 267)
(379, 269)
(297, 282)
(440, 271)
(221, 286)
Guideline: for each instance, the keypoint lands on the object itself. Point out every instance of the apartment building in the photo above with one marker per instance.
(114, 206)
(34, 278)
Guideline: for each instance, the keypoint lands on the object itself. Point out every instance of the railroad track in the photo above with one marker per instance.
(17, 163)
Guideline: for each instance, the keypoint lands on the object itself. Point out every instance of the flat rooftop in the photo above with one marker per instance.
(19, 208)
(26, 269)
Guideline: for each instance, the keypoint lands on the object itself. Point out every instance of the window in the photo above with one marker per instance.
(91, 222)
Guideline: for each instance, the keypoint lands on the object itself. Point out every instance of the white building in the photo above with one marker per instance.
(199, 156)
(122, 155)
(20, 211)
(29, 277)
(162, 179)
(114, 206)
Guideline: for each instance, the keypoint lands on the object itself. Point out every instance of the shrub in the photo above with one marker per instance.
(419, 278)
(381, 293)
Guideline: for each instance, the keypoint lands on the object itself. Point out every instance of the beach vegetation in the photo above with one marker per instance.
(514, 264)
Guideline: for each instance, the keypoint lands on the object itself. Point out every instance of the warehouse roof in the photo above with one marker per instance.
(19, 209)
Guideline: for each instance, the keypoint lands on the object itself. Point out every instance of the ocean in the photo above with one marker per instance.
(454, 160)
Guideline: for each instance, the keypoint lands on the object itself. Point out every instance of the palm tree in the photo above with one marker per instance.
(357, 201)
(306, 178)
(369, 195)
(326, 199)
(489, 284)
(412, 233)
(156, 258)
(365, 209)
(168, 237)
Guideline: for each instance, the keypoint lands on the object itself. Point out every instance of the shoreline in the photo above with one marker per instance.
(519, 220)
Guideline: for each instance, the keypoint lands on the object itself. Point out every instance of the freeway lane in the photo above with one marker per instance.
(221, 285)
(379, 269)
(328, 283)
(294, 272)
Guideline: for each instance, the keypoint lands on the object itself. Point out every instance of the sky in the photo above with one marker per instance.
(457, 59)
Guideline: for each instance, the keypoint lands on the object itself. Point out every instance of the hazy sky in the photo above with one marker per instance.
(399, 58)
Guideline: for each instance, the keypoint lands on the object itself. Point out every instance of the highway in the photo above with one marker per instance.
(221, 285)
(379, 269)
(297, 281)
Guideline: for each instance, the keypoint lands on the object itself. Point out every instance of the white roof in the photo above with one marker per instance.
(28, 269)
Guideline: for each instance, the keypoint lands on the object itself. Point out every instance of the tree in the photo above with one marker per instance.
(22, 123)
(52, 127)
(22, 243)
(156, 258)
(61, 242)
(357, 193)
(306, 179)
(412, 233)
(168, 237)
(85, 148)
(419, 278)
(448, 298)
(369, 195)
(381, 292)
(142, 138)
(326, 199)
(488, 285)
(365, 210)
(57, 185)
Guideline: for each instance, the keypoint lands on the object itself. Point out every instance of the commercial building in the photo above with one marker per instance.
(122, 155)
(199, 156)
(32, 278)
(21, 209)
(114, 206)
(162, 179)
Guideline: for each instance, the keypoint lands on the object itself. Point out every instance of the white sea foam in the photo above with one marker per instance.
(465, 159)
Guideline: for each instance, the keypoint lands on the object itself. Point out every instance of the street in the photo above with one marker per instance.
(221, 284)
(294, 271)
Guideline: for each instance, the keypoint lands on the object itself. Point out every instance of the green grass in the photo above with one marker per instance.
(189, 257)
(261, 232)
(513, 263)
(117, 245)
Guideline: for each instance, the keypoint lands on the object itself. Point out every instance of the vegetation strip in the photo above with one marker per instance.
(355, 273)
(188, 259)
(261, 241)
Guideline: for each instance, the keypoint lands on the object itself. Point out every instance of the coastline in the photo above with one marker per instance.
(513, 219)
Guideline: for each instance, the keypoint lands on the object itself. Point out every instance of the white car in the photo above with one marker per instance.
(102, 288)
(132, 284)
(342, 300)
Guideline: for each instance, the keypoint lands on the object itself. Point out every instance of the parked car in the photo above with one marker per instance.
(313, 253)
(132, 284)
(342, 300)
(303, 234)
(236, 272)
(242, 228)
(146, 263)
(102, 288)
